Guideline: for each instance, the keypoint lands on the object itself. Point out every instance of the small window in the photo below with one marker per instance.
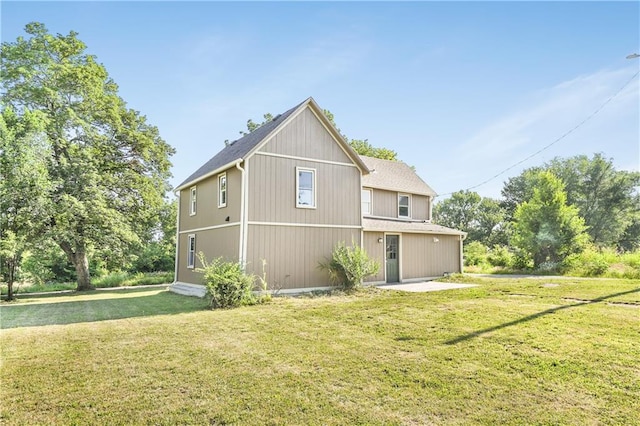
(366, 201)
(222, 190)
(191, 251)
(305, 188)
(192, 202)
(404, 205)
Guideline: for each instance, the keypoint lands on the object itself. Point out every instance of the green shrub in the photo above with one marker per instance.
(125, 279)
(500, 256)
(632, 259)
(114, 279)
(349, 266)
(475, 254)
(228, 286)
(589, 263)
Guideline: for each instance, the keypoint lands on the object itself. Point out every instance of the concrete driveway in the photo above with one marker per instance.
(424, 286)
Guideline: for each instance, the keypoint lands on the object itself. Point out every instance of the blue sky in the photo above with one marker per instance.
(461, 90)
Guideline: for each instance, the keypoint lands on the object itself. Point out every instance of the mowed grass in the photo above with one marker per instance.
(529, 351)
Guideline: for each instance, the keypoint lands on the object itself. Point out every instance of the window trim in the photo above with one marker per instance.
(220, 191)
(408, 216)
(314, 187)
(191, 253)
(370, 191)
(193, 200)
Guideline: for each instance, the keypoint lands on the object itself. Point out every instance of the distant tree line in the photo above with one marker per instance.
(550, 212)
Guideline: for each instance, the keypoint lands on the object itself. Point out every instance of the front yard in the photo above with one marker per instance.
(529, 351)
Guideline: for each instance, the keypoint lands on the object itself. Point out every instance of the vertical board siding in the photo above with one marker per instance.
(272, 192)
(223, 242)
(293, 253)
(376, 251)
(385, 203)
(305, 136)
(207, 211)
(422, 257)
(420, 207)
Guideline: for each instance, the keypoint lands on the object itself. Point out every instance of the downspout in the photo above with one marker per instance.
(175, 276)
(462, 238)
(241, 252)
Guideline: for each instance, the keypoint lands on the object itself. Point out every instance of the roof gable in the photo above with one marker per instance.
(244, 147)
(394, 176)
(238, 149)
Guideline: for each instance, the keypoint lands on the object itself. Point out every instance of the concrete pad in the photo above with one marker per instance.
(424, 286)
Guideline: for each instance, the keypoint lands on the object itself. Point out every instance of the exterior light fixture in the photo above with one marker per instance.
(380, 240)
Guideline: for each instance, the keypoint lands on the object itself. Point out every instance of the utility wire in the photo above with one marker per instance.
(552, 143)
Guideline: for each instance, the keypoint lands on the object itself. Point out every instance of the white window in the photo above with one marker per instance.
(192, 202)
(404, 205)
(222, 190)
(191, 251)
(366, 201)
(305, 188)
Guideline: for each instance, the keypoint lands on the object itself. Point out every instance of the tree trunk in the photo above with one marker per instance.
(82, 270)
(11, 279)
(78, 258)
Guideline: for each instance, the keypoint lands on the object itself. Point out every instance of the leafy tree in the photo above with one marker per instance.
(363, 147)
(157, 252)
(108, 168)
(23, 188)
(545, 227)
(251, 125)
(482, 218)
(607, 199)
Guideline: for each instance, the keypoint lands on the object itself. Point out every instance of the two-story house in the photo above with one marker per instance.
(289, 191)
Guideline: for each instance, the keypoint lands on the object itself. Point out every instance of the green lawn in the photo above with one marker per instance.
(529, 351)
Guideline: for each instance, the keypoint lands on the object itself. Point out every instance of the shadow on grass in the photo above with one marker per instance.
(479, 333)
(130, 304)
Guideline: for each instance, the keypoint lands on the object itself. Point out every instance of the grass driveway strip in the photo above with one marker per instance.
(482, 355)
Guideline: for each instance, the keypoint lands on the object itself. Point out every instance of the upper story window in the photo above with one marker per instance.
(191, 251)
(222, 190)
(305, 188)
(366, 201)
(404, 205)
(192, 201)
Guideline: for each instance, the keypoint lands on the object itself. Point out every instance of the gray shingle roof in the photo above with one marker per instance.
(239, 148)
(394, 176)
(383, 225)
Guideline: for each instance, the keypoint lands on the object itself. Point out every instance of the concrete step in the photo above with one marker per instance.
(188, 289)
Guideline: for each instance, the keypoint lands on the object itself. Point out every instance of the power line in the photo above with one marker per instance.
(552, 143)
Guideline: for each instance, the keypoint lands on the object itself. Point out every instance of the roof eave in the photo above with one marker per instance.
(208, 175)
(404, 191)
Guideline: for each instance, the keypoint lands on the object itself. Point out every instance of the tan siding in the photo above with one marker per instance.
(385, 203)
(222, 242)
(207, 211)
(305, 136)
(422, 257)
(375, 250)
(272, 192)
(292, 253)
(419, 207)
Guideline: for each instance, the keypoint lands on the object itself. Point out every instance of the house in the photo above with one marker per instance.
(289, 191)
